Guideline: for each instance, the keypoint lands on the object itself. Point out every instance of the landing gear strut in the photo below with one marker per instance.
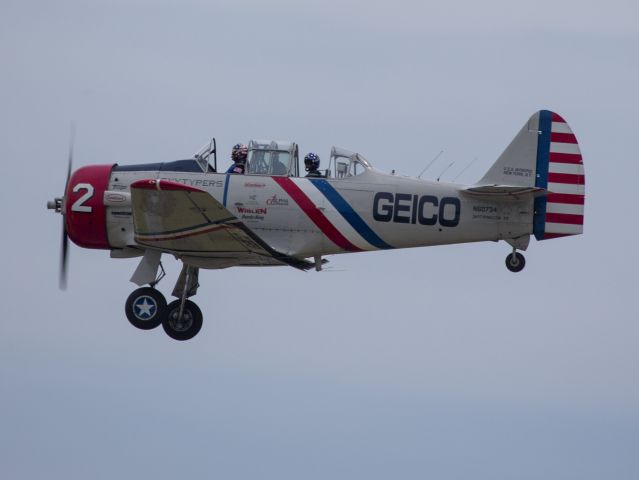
(146, 307)
(184, 318)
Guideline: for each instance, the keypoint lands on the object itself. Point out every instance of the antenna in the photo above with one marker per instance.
(465, 168)
(444, 171)
(431, 162)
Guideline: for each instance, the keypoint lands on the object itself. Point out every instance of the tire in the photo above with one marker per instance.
(145, 308)
(515, 262)
(190, 324)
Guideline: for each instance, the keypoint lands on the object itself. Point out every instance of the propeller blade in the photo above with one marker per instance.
(70, 162)
(64, 258)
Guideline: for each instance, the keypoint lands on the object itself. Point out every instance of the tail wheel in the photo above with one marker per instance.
(515, 262)
(145, 308)
(186, 327)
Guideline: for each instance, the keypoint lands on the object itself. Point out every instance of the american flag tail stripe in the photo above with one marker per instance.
(560, 170)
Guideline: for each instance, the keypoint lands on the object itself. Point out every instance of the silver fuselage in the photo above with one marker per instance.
(304, 217)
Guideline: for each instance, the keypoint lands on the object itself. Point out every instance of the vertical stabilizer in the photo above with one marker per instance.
(545, 155)
(516, 165)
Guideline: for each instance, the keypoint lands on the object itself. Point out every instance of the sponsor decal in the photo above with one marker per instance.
(251, 213)
(254, 185)
(274, 200)
(252, 217)
(258, 211)
(115, 198)
(416, 209)
(252, 201)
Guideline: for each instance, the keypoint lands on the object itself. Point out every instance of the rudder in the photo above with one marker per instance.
(560, 171)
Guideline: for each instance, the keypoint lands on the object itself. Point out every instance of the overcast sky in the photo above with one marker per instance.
(433, 362)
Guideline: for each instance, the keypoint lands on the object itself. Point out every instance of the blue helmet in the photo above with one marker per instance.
(239, 153)
(311, 161)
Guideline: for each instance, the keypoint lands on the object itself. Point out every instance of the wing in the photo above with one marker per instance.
(177, 218)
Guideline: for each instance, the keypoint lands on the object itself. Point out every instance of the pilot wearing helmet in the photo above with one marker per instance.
(238, 155)
(312, 163)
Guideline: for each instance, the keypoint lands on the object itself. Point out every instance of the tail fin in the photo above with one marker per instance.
(545, 154)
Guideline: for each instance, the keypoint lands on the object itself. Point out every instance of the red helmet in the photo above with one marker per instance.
(239, 153)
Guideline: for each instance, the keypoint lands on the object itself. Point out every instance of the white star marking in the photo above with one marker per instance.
(144, 308)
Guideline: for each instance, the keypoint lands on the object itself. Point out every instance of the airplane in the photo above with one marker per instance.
(274, 216)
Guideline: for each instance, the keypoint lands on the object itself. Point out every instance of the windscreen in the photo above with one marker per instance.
(269, 162)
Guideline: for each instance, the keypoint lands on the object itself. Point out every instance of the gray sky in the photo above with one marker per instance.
(405, 364)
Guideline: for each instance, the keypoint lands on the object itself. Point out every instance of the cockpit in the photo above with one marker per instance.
(344, 163)
(274, 158)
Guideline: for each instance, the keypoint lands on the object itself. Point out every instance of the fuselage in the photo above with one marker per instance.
(304, 217)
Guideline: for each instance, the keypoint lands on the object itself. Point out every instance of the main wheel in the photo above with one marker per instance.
(145, 308)
(515, 262)
(184, 328)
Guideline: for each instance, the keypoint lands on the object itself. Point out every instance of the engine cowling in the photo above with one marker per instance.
(84, 209)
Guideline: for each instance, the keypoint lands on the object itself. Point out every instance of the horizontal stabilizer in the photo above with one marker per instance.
(515, 191)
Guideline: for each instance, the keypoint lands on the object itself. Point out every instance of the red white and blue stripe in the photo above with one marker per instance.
(341, 224)
(350, 215)
(560, 171)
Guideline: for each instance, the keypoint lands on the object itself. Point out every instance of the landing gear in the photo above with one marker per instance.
(182, 322)
(515, 262)
(145, 308)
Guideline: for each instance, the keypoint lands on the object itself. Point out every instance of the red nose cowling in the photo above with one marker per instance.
(85, 213)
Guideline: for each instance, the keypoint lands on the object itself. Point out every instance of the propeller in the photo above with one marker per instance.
(64, 253)
(58, 204)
